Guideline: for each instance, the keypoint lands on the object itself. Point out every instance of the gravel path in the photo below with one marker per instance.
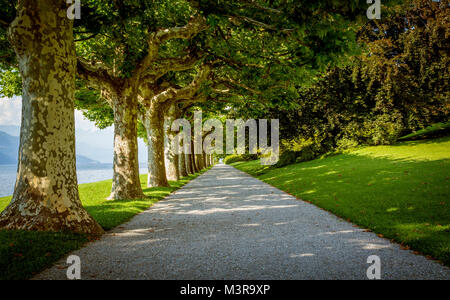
(228, 225)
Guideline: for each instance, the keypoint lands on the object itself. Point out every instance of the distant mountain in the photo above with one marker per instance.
(95, 145)
(9, 149)
(10, 129)
(86, 161)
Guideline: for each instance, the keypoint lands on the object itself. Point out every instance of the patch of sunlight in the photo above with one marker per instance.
(4, 201)
(330, 173)
(392, 209)
(236, 209)
(301, 255)
(250, 225)
(423, 227)
(280, 223)
(309, 192)
(337, 232)
(371, 246)
(313, 168)
(410, 151)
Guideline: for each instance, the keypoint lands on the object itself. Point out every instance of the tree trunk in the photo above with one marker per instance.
(194, 165)
(188, 164)
(155, 136)
(170, 154)
(182, 165)
(46, 192)
(199, 160)
(205, 161)
(126, 181)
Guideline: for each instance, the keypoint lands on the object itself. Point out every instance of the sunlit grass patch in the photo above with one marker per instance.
(399, 191)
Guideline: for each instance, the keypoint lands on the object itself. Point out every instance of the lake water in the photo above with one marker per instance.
(85, 174)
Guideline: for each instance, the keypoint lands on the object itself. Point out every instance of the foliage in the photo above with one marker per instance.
(93, 106)
(239, 157)
(232, 159)
(10, 83)
(399, 191)
(286, 158)
(397, 85)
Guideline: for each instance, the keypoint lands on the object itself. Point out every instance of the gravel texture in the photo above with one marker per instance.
(228, 225)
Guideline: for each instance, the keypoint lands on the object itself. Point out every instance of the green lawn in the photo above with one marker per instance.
(23, 254)
(401, 191)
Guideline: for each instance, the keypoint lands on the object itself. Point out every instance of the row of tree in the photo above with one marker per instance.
(126, 61)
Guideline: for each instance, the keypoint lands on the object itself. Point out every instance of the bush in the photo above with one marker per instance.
(239, 157)
(346, 143)
(385, 129)
(287, 158)
(248, 156)
(309, 153)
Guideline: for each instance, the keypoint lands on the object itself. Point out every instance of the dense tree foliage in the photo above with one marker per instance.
(398, 84)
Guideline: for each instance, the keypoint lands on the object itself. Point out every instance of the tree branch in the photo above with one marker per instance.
(95, 76)
(170, 64)
(258, 23)
(178, 94)
(87, 38)
(4, 24)
(195, 25)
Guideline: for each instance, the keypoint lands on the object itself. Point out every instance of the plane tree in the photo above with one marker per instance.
(120, 60)
(159, 103)
(46, 197)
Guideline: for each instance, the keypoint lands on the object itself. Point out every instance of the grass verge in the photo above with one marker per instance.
(400, 191)
(23, 253)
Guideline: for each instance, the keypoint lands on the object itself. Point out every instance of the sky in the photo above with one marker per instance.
(97, 144)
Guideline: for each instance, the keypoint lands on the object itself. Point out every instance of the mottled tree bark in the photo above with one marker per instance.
(126, 181)
(155, 135)
(188, 164)
(46, 192)
(171, 156)
(199, 161)
(205, 161)
(194, 165)
(182, 165)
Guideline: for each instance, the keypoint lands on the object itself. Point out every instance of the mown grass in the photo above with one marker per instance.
(23, 254)
(401, 191)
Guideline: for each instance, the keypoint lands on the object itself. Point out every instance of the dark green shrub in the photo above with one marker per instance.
(287, 158)
(308, 153)
(239, 157)
(232, 159)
